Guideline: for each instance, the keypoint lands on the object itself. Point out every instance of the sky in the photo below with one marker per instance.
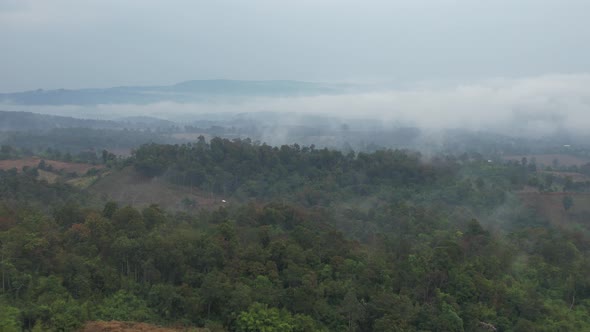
(101, 43)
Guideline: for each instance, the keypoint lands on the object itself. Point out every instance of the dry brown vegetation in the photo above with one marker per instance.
(550, 205)
(129, 187)
(79, 168)
(116, 326)
(47, 176)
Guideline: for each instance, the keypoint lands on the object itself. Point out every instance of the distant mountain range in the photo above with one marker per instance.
(190, 91)
(17, 121)
(27, 121)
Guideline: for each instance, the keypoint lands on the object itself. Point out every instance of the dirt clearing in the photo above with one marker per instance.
(115, 326)
(129, 187)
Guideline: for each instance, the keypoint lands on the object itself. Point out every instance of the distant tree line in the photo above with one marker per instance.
(259, 170)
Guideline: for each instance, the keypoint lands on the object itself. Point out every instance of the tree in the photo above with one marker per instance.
(352, 309)
(567, 202)
(568, 183)
(9, 319)
(124, 306)
(109, 209)
(261, 318)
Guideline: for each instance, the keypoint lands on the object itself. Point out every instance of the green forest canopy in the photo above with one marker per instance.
(316, 240)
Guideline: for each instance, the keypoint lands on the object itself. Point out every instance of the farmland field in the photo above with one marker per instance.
(79, 168)
(547, 159)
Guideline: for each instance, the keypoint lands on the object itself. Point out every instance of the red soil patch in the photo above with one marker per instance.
(57, 165)
(115, 326)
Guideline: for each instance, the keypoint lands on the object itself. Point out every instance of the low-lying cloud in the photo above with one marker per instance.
(523, 106)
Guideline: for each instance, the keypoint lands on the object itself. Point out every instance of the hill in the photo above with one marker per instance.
(18, 121)
(189, 91)
(28, 121)
(307, 240)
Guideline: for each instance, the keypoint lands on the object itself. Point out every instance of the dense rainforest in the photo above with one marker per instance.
(306, 239)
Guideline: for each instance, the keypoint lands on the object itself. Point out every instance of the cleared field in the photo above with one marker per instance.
(116, 326)
(57, 165)
(547, 159)
(129, 187)
(82, 182)
(576, 177)
(47, 176)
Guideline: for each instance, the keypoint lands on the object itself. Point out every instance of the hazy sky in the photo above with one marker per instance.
(93, 43)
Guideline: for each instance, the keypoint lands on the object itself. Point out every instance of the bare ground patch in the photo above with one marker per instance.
(116, 326)
(129, 187)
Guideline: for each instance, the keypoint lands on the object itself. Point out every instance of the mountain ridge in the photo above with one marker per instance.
(186, 91)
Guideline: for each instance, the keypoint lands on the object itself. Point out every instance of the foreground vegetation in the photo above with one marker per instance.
(311, 240)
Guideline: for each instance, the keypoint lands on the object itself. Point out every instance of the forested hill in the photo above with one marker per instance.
(35, 122)
(229, 166)
(307, 240)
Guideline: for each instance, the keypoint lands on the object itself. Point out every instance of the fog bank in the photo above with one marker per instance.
(532, 106)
